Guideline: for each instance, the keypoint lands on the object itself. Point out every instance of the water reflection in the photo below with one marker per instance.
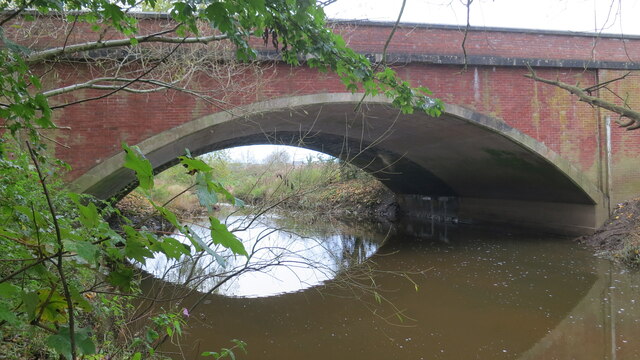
(471, 295)
(283, 258)
(603, 325)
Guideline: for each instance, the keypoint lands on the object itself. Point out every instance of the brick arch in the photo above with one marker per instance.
(462, 154)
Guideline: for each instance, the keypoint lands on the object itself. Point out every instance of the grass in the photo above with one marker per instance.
(630, 252)
(327, 186)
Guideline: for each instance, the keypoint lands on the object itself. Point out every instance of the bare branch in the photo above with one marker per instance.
(393, 31)
(384, 49)
(466, 32)
(601, 85)
(326, 3)
(158, 86)
(16, 13)
(624, 112)
(123, 86)
(53, 53)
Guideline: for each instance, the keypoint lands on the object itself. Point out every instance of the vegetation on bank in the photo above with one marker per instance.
(320, 186)
(68, 283)
(619, 238)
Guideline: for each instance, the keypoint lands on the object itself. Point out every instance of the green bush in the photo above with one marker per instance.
(65, 272)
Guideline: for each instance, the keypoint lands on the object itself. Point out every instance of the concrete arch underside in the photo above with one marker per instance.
(496, 173)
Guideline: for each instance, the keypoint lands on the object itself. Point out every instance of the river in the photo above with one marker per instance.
(456, 292)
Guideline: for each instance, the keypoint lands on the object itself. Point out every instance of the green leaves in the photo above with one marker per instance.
(137, 245)
(7, 314)
(170, 322)
(200, 245)
(61, 342)
(89, 215)
(135, 160)
(121, 277)
(206, 195)
(51, 307)
(30, 303)
(194, 165)
(173, 248)
(114, 14)
(206, 188)
(227, 352)
(7, 293)
(222, 236)
(86, 251)
(185, 14)
(218, 15)
(23, 107)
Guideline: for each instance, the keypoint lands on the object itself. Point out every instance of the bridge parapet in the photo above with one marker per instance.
(412, 42)
(496, 46)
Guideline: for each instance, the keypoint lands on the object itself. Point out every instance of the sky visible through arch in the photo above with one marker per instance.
(255, 154)
(600, 16)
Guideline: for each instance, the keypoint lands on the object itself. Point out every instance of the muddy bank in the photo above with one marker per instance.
(352, 199)
(619, 237)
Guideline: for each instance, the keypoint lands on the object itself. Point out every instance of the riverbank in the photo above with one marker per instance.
(619, 237)
(356, 198)
(140, 212)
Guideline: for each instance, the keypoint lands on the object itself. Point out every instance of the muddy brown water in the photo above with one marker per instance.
(459, 293)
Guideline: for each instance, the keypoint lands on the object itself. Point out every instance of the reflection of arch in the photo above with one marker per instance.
(585, 332)
(462, 153)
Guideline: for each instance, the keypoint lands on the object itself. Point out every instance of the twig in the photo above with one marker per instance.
(73, 26)
(41, 326)
(44, 303)
(121, 87)
(601, 85)
(384, 49)
(63, 280)
(204, 296)
(54, 141)
(160, 85)
(466, 32)
(25, 268)
(16, 13)
(97, 45)
(39, 127)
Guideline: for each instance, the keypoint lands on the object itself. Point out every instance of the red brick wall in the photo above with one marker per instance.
(512, 44)
(572, 129)
(542, 112)
(625, 145)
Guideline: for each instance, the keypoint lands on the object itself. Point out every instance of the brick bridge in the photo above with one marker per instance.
(507, 148)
